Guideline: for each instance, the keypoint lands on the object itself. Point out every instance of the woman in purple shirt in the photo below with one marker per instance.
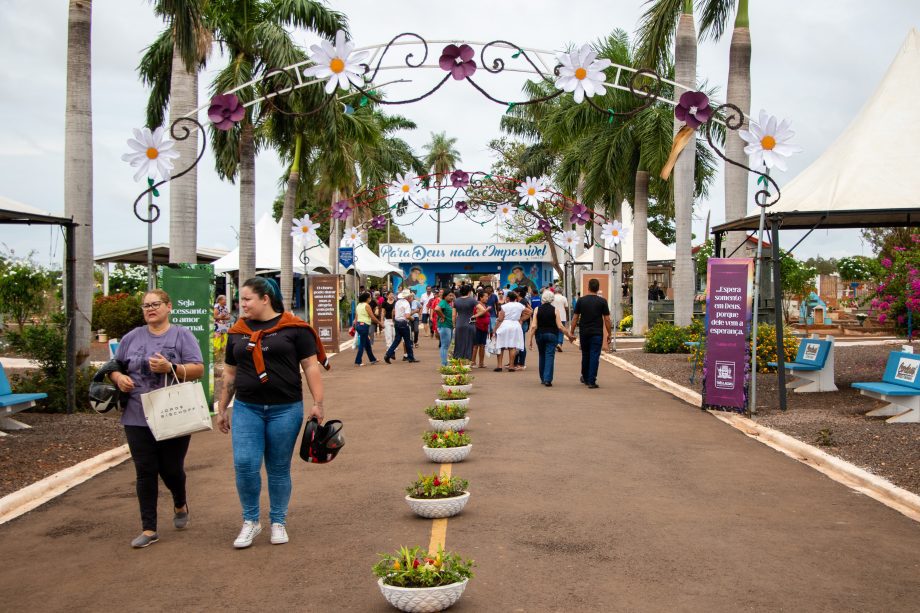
(146, 354)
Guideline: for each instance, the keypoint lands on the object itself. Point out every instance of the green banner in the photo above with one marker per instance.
(191, 289)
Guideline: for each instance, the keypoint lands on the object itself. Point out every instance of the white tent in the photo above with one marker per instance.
(369, 263)
(13, 206)
(657, 251)
(868, 176)
(268, 251)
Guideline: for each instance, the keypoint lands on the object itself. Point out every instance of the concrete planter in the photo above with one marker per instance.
(422, 599)
(447, 455)
(457, 388)
(441, 425)
(438, 507)
(463, 403)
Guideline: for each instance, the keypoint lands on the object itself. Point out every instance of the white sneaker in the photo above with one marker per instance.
(279, 534)
(251, 530)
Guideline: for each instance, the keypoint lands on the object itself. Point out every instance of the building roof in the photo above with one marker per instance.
(138, 255)
(13, 212)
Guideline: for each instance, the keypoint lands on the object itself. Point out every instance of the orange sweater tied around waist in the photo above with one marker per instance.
(255, 340)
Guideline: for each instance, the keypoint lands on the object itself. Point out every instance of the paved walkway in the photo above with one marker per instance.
(616, 499)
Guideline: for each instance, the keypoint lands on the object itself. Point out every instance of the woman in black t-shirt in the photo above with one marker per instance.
(546, 326)
(266, 351)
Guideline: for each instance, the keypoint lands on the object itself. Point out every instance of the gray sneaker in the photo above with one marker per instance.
(144, 540)
(180, 520)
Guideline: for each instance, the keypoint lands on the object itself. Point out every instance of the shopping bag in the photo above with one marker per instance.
(176, 410)
(492, 346)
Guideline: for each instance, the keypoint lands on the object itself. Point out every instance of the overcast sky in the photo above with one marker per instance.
(814, 62)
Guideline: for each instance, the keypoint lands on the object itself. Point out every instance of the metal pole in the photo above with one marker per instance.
(752, 409)
(151, 284)
(438, 239)
(717, 251)
(70, 293)
(777, 310)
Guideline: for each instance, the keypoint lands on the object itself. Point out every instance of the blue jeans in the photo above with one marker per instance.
(590, 357)
(266, 431)
(446, 335)
(363, 332)
(546, 345)
(402, 331)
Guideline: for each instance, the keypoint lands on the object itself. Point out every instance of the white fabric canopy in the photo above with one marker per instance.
(870, 171)
(12, 205)
(657, 251)
(268, 251)
(369, 263)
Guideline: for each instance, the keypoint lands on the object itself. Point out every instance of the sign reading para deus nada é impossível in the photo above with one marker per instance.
(728, 312)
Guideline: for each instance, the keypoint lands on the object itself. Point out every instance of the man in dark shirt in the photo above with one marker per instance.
(592, 318)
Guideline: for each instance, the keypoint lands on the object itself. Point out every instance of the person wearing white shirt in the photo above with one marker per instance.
(426, 298)
(562, 308)
(402, 322)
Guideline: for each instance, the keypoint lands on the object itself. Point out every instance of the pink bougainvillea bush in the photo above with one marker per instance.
(899, 287)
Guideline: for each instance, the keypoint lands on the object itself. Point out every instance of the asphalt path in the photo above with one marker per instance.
(621, 498)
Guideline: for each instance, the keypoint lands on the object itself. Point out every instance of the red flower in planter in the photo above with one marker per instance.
(415, 564)
(437, 482)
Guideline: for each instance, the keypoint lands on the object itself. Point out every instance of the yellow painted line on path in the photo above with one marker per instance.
(439, 526)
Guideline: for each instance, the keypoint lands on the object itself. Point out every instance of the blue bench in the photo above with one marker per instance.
(813, 368)
(11, 403)
(899, 387)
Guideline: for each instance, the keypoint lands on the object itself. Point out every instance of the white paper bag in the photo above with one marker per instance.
(492, 346)
(176, 410)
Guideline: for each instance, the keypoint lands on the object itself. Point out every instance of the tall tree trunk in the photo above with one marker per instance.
(334, 240)
(599, 255)
(739, 94)
(685, 74)
(183, 192)
(287, 241)
(640, 254)
(78, 167)
(247, 203)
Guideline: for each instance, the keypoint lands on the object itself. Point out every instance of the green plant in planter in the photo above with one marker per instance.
(437, 486)
(458, 380)
(446, 412)
(448, 438)
(452, 395)
(416, 567)
(452, 370)
(459, 362)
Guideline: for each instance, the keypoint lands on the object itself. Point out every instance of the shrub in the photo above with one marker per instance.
(664, 337)
(626, 323)
(22, 291)
(766, 346)
(418, 568)
(117, 314)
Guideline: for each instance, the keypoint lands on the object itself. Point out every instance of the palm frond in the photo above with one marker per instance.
(715, 16)
(155, 70)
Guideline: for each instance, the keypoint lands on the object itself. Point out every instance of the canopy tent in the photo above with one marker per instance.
(268, 251)
(138, 255)
(868, 177)
(657, 251)
(369, 263)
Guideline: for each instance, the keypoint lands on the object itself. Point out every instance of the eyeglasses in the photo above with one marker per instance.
(151, 306)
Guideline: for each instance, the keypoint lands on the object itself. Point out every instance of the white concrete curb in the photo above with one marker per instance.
(841, 471)
(32, 496)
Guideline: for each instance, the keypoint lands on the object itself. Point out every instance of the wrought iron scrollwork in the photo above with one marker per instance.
(734, 120)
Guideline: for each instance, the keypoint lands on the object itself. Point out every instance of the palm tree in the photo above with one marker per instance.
(254, 35)
(170, 66)
(655, 36)
(78, 166)
(441, 157)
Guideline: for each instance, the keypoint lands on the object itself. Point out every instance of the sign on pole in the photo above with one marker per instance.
(729, 291)
(324, 309)
(191, 289)
(346, 256)
(605, 278)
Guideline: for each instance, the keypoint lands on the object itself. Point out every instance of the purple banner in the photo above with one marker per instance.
(728, 313)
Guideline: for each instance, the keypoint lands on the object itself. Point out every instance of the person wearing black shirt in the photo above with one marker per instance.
(655, 293)
(266, 352)
(546, 327)
(388, 329)
(592, 318)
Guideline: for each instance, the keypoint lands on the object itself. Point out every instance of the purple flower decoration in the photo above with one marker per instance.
(544, 226)
(459, 179)
(458, 61)
(379, 222)
(693, 109)
(225, 111)
(580, 215)
(462, 206)
(341, 209)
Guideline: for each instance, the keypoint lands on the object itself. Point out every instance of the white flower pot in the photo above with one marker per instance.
(438, 507)
(447, 455)
(440, 425)
(457, 388)
(443, 376)
(422, 599)
(463, 403)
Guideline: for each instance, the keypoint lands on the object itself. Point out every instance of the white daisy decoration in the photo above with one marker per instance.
(337, 63)
(768, 141)
(403, 186)
(569, 239)
(152, 153)
(427, 200)
(505, 212)
(613, 233)
(533, 191)
(305, 229)
(351, 237)
(582, 73)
